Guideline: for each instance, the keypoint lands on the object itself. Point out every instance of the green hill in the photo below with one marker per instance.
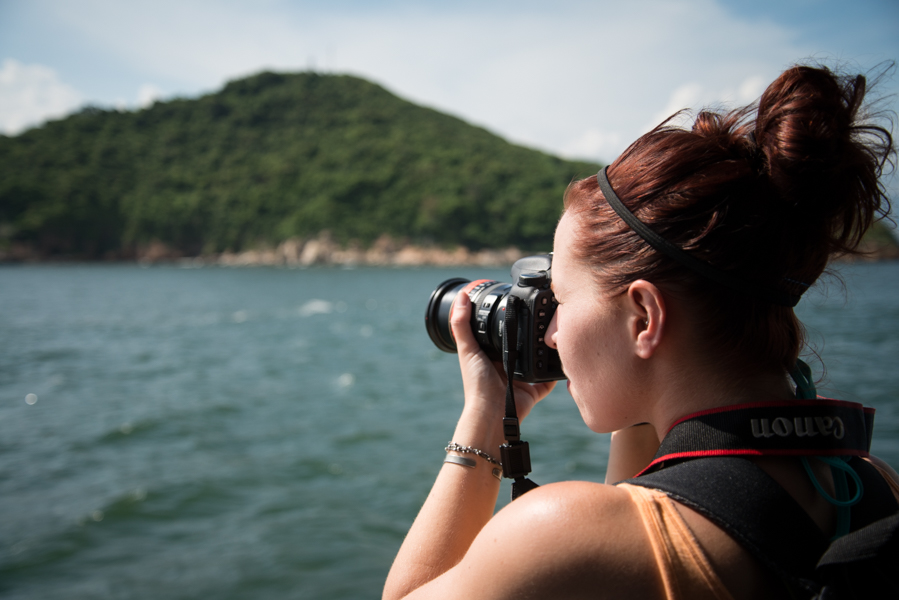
(273, 157)
(267, 158)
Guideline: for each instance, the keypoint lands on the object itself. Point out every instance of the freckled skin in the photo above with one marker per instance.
(591, 339)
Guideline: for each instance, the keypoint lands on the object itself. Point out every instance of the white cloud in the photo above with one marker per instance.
(592, 142)
(32, 94)
(694, 97)
(147, 94)
(686, 96)
(576, 78)
(751, 89)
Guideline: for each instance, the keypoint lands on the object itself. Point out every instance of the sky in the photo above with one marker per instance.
(574, 78)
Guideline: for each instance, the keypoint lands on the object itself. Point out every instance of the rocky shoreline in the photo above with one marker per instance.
(295, 253)
(384, 252)
(324, 251)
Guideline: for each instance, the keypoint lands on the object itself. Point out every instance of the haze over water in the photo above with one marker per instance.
(271, 433)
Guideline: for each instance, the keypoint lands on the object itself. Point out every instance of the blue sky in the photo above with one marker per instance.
(578, 79)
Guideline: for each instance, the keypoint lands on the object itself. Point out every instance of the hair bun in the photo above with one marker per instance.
(821, 160)
(765, 193)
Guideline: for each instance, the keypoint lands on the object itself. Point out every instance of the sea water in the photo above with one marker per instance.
(265, 433)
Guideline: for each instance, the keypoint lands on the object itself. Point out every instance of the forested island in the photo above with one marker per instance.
(279, 168)
(273, 159)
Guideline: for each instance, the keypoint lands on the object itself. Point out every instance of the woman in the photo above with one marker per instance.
(759, 199)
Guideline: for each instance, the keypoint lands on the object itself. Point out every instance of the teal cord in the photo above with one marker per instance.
(844, 509)
(805, 390)
(843, 502)
(840, 469)
(802, 377)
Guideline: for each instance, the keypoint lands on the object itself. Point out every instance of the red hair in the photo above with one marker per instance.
(768, 194)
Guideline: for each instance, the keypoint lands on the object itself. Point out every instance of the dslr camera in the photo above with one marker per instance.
(536, 305)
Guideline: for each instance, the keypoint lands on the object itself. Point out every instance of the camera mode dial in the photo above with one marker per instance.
(533, 279)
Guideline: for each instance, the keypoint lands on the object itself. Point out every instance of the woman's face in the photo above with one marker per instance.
(589, 331)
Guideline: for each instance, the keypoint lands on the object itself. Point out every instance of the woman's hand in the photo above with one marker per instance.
(463, 499)
(484, 381)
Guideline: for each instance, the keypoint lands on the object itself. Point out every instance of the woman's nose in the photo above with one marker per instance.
(550, 337)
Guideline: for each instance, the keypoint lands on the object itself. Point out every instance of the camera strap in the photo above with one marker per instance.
(820, 427)
(515, 455)
(702, 463)
(743, 500)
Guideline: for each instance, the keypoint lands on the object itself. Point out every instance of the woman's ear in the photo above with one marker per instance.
(646, 317)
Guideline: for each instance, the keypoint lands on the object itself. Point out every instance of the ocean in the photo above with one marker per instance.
(262, 433)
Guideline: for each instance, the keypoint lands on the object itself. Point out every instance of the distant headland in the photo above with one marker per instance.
(282, 169)
(269, 160)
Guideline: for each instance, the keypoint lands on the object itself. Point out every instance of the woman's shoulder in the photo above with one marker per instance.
(578, 509)
(591, 513)
(641, 538)
(578, 496)
(562, 540)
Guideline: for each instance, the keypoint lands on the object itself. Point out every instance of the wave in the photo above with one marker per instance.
(316, 307)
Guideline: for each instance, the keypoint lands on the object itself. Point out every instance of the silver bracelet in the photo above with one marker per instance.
(460, 460)
(471, 464)
(454, 447)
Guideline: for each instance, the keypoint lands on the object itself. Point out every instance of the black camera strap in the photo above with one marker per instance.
(820, 427)
(702, 463)
(515, 455)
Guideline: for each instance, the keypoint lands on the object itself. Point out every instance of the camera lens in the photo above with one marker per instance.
(488, 303)
(534, 304)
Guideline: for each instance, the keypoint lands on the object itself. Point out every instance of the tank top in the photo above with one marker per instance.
(683, 565)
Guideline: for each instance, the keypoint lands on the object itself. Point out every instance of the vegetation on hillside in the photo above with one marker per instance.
(274, 157)
(268, 158)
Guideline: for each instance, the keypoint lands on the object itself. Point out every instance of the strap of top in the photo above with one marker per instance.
(758, 513)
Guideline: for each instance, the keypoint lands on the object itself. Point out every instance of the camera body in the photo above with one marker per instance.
(536, 305)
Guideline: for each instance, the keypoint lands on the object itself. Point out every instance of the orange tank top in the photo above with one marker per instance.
(685, 569)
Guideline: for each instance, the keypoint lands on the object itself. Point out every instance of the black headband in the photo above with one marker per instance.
(670, 250)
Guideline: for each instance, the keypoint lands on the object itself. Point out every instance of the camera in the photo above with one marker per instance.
(535, 308)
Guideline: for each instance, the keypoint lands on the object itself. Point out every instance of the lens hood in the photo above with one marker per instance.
(437, 315)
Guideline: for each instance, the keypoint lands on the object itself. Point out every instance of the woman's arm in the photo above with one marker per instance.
(568, 540)
(461, 502)
(631, 451)
(462, 499)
